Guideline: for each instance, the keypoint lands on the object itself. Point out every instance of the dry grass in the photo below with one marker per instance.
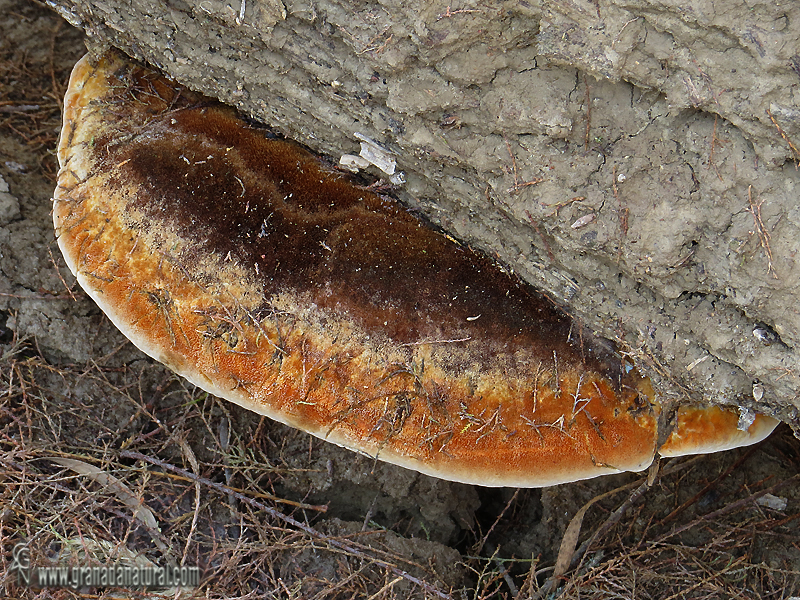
(214, 506)
(727, 553)
(31, 92)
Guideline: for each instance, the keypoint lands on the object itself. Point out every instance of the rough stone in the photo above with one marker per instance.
(665, 137)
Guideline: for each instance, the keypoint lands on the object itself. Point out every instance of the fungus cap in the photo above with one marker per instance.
(707, 429)
(265, 277)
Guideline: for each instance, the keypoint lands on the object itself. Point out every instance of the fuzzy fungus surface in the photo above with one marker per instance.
(266, 277)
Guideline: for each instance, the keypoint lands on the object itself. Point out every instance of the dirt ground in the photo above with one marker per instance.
(267, 511)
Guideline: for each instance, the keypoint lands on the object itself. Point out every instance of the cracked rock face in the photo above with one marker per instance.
(634, 160)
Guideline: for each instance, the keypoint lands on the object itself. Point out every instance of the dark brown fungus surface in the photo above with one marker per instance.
(266, 278)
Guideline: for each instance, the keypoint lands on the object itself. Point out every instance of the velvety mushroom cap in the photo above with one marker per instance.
(706, 429)
(265, 277)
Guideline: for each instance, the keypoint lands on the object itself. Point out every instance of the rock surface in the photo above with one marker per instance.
(635, 160)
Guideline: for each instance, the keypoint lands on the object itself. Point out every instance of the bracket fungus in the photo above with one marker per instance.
(265, 277)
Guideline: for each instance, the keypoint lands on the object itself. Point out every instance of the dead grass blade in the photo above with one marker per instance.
(125, 495)
(276, 514)
(569, 542)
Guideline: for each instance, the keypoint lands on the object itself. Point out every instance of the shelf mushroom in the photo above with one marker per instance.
(265, 277)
